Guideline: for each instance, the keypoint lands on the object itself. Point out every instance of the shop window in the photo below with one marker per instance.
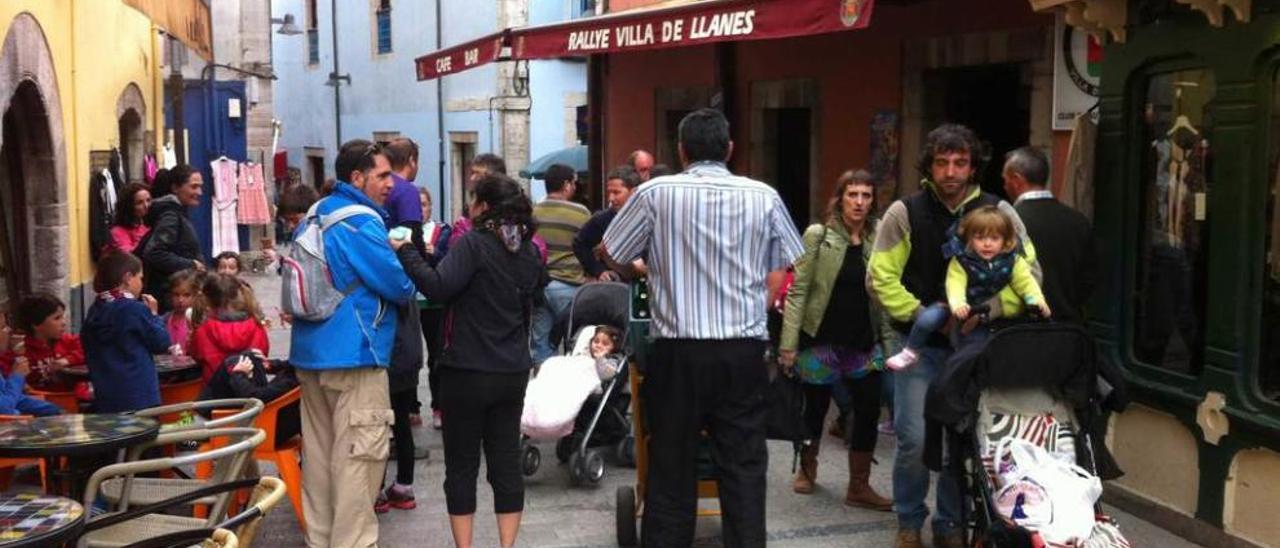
(1269, 367)
(382, 18)
(1176, 180)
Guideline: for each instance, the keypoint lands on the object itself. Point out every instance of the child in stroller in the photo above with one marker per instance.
(1034, 392)
(578, 399)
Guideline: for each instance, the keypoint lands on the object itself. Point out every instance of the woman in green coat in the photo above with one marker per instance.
(831, 333)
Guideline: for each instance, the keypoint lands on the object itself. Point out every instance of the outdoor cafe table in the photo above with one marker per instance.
(165, 365)
(74, 436)
(29, 519)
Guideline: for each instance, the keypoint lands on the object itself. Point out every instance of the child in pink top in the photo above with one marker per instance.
(183, 292)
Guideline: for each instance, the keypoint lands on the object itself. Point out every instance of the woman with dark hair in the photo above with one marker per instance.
(131, 208)
(172, 245)
(831, 334)
(488, 282)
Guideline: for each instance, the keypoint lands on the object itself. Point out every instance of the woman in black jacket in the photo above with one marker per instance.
(488, 282)
(171, 246)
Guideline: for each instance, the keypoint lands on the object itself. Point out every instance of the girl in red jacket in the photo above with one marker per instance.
(42, 337)
(229, 328)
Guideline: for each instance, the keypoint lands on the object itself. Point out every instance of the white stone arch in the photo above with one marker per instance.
(29, 84)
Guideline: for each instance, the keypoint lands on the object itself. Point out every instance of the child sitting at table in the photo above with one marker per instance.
(246, 375)
(121, 334)
(228, 262)
(184, 289)
(230, 327)
(13, 401)
(41, 322)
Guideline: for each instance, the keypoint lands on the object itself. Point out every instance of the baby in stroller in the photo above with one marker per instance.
(563, 383)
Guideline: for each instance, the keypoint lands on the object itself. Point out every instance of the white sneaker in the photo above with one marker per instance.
(902, 360)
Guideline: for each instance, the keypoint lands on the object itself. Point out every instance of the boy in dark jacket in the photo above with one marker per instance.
(245, 375)
(120, 335)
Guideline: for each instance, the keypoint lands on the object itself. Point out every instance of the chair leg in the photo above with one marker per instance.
(6, 477)
(291, 473)
(44, 476)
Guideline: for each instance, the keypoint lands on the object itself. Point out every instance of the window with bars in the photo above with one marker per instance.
(382, 17)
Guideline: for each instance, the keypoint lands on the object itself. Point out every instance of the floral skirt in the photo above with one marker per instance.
(826, 363)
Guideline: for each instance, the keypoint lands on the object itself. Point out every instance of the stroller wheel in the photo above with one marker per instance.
(532, 459)
(627, 451)
(593, 466)
(564, 448)
(576, 474)
(626, 510)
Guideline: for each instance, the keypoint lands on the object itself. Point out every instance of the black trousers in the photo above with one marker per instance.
(482, 409)
(719, 386)
(864, 400)
(402, 404)
(432, 321)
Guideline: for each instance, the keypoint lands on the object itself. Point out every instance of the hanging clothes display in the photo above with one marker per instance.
(100, 217)
(253, 208)
(150, 167)
(109, 192)
(169, 159)
(225, 196)
(1077, 186)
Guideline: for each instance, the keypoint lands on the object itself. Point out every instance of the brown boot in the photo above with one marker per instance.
(860, 493)
(807, 475)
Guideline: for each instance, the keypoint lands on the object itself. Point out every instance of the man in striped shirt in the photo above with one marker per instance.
(710, 238)
(559, 220)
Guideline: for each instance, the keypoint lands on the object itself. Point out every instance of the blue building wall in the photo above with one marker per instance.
(384, 94)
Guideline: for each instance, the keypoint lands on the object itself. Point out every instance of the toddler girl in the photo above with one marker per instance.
(229, 329)
(184, 288)
(988, 260)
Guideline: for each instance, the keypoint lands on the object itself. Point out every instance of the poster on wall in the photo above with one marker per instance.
(1076, 74)
(884, 156)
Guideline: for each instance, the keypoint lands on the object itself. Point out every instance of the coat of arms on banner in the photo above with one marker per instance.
(850, 11)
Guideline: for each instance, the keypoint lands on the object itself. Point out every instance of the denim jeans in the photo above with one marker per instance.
(559, 297)
(930, 320)
(910, 476)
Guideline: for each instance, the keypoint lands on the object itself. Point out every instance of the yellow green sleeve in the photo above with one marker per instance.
(888, 261)
(797, 296)
(957, 284)
(1024, 284)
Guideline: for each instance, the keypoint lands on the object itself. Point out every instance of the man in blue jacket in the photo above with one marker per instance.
(342, 361)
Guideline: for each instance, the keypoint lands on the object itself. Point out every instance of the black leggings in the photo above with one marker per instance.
(482, 408)
(432, 320)
(402, 404)
(864, 399)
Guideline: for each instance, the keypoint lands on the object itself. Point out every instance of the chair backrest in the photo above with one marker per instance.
(240, 412)
(66, 400)
(269, 416)
(231, 460)
(266, 495)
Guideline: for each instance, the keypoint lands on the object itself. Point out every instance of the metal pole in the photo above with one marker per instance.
(336, 80)
(440, 116)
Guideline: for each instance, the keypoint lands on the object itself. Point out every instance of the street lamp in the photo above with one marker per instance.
(287, 25)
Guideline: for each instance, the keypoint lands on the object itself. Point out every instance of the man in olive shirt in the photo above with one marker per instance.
(559, 220)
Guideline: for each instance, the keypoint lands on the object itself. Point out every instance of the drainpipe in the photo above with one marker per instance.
(336, 78)
(440, 116)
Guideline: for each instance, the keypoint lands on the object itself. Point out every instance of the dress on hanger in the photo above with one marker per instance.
(253, 208)
(225, 196)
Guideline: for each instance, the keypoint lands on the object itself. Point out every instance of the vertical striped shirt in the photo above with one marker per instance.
(558, 223)
(709, 238)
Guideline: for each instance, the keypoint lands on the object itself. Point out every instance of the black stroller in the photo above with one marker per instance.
(603, 420)
(1037, 381)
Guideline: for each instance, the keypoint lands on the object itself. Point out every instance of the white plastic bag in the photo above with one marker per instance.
(1069, 491)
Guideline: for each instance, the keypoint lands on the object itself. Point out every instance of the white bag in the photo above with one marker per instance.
(1064, 515)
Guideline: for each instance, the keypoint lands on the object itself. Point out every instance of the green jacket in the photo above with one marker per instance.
(815, 276)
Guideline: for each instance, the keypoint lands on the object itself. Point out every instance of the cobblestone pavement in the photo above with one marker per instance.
(559, 515)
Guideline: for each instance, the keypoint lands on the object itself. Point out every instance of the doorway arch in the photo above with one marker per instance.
(131, 110)
(33, 170)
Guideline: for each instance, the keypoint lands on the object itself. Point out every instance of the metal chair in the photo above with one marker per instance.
(204, 538)
(124, 527)
(267, 493)
(149, 490)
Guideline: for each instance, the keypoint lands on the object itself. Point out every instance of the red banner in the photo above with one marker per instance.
(705, 22)
(461, 57)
